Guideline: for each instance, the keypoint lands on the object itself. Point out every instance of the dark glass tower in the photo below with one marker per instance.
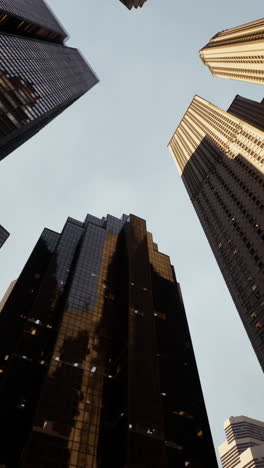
(97, 364)
(4, 234)
(133, 3)
(39, 75)
(220, 156)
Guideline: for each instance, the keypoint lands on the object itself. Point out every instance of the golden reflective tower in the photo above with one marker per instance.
(237, 53)
(97, 368)
(221, 161)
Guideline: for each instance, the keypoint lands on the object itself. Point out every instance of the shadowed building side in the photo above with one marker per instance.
(237, 53)
(220, 159)
(250, 111)
(25, 345)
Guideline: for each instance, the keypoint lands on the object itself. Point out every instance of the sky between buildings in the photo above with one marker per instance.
(107, 154)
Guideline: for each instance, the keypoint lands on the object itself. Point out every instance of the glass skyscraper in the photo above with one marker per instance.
(4, 234)
(97, 366)
(220, 156)
(39, 75)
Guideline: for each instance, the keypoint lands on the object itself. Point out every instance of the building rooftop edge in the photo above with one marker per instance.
(237, 419)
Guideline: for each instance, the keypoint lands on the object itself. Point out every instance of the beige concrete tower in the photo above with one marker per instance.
(221, 161)
(237, 53)
(244, 445)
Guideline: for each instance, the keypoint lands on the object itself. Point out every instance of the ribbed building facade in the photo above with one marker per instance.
(221, 161)
(97, 365)
(4, 234)
(39, 75)
(237, 53)
(244, 445)
(133, 3)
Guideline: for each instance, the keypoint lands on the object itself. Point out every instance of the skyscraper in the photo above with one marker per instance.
(133, 3)
(236, 53)
(244, 445)
(4, 234)
(221, 161)
(39, 75)
(97, 365)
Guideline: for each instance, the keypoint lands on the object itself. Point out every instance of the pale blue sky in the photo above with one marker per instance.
(107, 154)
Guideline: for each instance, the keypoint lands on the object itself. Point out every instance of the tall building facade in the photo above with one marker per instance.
(221, 161)
(97, 365)
(244, 445)
(39, 75)
(133, 3)
(237, 53)
(4, 234)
